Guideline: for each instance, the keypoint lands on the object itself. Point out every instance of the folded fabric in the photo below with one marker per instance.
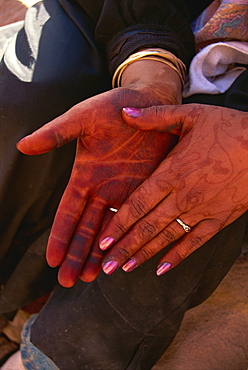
(6, 32)
(215, 68)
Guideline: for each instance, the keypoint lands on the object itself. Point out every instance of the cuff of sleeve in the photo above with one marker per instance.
(134, 38)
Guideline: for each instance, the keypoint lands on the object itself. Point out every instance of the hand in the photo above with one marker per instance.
(203, 181)
(112, 159)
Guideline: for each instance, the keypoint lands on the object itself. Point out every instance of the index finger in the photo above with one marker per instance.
(140, 202)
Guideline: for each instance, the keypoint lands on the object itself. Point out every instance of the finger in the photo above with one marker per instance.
(134, 255)
(92, 266)
(93, 263)
(166, 237)
(191, 241)
(139, 203)
(81, 242)
(69, 211)
(143, 231)
(164, 118)
(56, 133)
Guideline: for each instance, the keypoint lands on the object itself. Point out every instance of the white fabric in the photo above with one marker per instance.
(212, 70)
(6, 33)
(14, 362)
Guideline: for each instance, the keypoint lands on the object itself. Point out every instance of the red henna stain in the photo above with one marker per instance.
(112, 159)
(244, 122)
(243, 142)
(219, 168)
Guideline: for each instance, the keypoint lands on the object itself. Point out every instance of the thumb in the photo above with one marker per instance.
(162, 118)
(54, 134)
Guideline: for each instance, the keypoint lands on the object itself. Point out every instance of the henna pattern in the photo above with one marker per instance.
(112, 160)
(203, 180)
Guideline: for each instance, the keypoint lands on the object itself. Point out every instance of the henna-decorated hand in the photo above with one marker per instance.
(112, 159)
(203, 181)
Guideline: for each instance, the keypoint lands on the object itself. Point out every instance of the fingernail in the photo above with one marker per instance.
(164, 267)
(129, 265)
(109, 267)
(106, 243)
(132, 112)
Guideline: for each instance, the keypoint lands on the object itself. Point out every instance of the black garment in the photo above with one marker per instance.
(126, 321)
(125, 26)
(123, 321)
(56, 61)
(46, 72)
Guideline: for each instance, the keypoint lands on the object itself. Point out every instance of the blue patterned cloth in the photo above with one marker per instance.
(32, 357)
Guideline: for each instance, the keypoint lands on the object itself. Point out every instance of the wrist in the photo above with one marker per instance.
(154, 79)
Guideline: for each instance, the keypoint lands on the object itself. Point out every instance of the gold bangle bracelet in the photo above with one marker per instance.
(159, 55)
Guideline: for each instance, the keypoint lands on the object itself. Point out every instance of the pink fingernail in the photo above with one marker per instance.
(132, 112)
(106, 243)
(163, 268)
(129, 265)
(109, 267)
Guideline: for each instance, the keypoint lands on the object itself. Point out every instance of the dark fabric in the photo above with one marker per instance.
(126, 321)
(135, 38)
(195, 7)
(236, 97)
(46, 73)
(125, 26)
(52, 64)
(123, 321)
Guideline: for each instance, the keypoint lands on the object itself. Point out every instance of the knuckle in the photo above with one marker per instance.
(157, 112)
(166, 237)
(146, 230)
(215, 224)
(73, 259)
(84, 232)
(120, 227)
(181, 252)
(145, 254)
(180, 255)
(123, 252)
(195, 243)
(138, 208)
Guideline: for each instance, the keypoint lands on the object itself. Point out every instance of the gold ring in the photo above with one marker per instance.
(185, 227)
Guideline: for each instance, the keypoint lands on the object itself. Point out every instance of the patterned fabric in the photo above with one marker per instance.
(222, 21)
(32, 357)
(221, 38)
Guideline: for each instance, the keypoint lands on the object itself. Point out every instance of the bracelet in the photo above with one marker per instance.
(158, 55)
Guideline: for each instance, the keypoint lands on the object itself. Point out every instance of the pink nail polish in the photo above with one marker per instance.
(106, 243)
(163, 268)
(129, 265)
(109, 267)
(132, 112)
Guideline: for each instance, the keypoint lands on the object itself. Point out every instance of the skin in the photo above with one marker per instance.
(112, 160)
(203, 181)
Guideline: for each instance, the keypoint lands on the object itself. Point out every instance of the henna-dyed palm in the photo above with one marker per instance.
(112, 159)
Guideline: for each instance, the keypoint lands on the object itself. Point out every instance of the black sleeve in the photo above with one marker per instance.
(124, 26)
